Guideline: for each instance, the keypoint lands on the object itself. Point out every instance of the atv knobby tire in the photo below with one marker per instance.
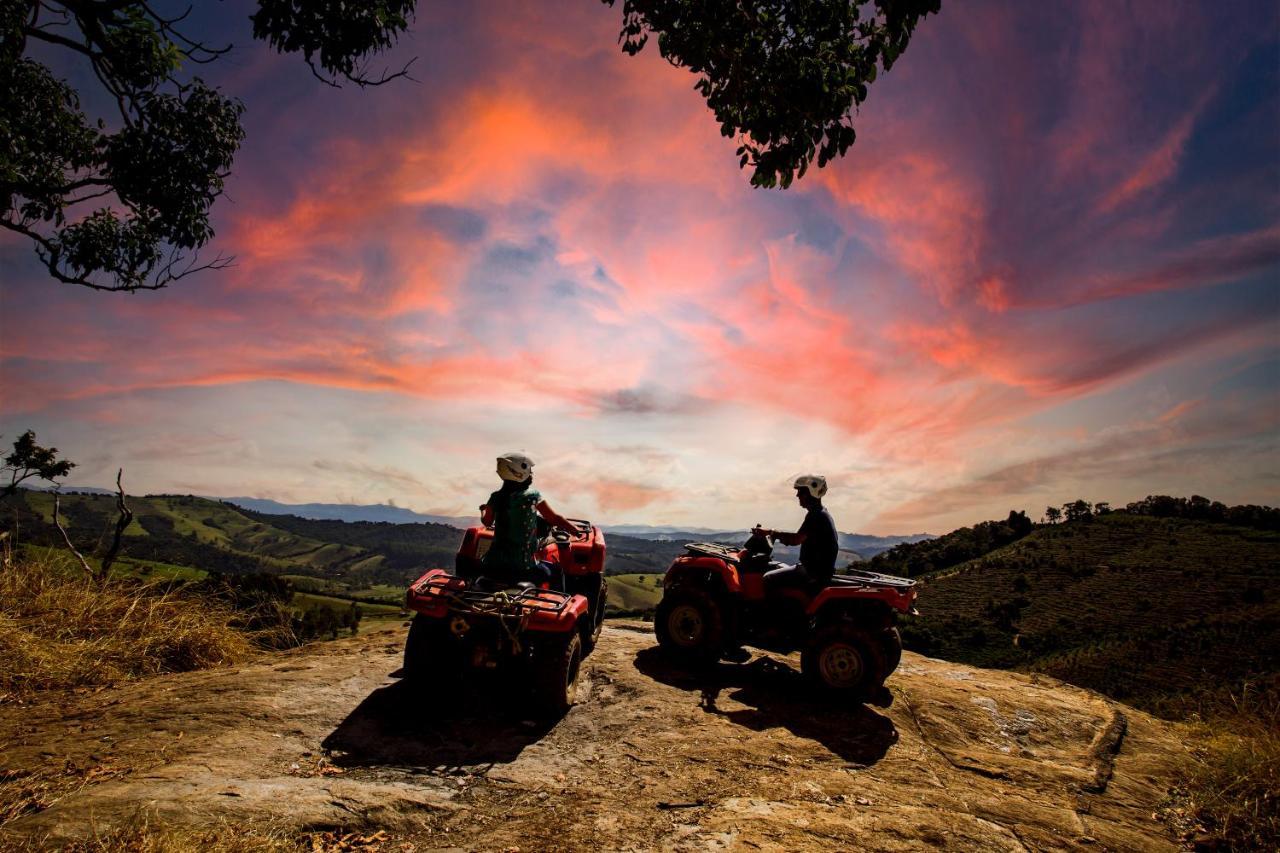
(433, 667)
(890, 650)
(593, 622)
(554, 674)
(690, 626)
(845, 661)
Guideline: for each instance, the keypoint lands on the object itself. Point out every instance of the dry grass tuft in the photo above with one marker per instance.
(146, 835)
(1230, 796)
(60, 629)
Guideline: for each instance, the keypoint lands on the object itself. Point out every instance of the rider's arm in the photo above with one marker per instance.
(782, 536)
(486, 515)
(785, 538)
(553, 517)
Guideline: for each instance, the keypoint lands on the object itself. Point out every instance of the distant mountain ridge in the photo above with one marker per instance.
(350, 512)
(864, 545)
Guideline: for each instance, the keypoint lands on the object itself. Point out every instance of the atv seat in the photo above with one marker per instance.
(492, 584)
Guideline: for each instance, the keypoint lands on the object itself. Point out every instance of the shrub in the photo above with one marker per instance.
(1232, 788)
(59, 630)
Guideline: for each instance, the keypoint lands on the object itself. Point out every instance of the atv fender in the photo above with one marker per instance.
(699, 569)
(428, 604)
(858, 598)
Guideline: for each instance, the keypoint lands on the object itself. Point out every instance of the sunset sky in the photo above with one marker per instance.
(1049, 268)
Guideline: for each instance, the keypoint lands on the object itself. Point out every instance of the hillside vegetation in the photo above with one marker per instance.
(919, 557)
(1152, 611)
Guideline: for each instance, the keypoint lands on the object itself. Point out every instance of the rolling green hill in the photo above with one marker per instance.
(634, 593)
(368, 561)
(1152, 611)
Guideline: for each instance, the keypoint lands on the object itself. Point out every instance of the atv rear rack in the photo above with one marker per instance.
(520, 601)
(857, 577)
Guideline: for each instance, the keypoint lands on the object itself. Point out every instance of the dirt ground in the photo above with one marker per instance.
(650, 759)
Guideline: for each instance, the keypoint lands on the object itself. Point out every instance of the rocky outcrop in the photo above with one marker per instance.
(651, 758)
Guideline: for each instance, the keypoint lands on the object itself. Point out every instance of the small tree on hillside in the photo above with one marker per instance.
(1052, 514)
(1102, 508)
(28, 460)
(1078, 510)
(1019, 523)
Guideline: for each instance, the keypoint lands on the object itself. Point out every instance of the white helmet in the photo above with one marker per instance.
(814, 484)
(515, 467)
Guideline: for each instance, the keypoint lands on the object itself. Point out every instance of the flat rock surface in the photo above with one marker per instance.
(652, 757)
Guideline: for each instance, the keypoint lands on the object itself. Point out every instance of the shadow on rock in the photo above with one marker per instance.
(777, 696)
(407, 725)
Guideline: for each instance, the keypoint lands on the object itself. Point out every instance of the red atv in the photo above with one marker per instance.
(467, 622)
(714, 602)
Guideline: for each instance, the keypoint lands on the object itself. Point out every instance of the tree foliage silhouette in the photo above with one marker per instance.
(28, 460)
(783, 77)
(122, 202)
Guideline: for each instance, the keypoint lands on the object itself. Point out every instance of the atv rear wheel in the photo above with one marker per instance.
(844, 660)
(432, 662)
(595, 619)
(423, 640)
(891, 649)
(689, 626)
(554, 674)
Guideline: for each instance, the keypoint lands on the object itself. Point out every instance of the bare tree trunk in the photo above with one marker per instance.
(57, 498)
(125, 517)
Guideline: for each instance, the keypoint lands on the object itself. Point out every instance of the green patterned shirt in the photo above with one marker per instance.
(515, 531)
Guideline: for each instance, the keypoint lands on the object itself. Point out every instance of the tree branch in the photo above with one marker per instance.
(62, 41)
(65, 538)
(122, 521)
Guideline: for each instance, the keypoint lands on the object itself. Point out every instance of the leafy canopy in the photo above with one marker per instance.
(781, 76)
(122, 201)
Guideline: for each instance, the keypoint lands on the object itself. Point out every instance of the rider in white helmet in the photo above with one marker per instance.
(512, 511)
(819, 543)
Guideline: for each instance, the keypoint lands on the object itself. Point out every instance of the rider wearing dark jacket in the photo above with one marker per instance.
(513, 511)
(819, 543)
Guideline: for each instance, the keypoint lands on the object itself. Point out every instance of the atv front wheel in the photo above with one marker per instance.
(844, 660)
(554, 676)
(689, 626)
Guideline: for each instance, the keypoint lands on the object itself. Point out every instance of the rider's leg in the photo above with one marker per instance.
(787, 576)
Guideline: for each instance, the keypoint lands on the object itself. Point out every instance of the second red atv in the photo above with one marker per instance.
(537, 634)
(714, 602)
